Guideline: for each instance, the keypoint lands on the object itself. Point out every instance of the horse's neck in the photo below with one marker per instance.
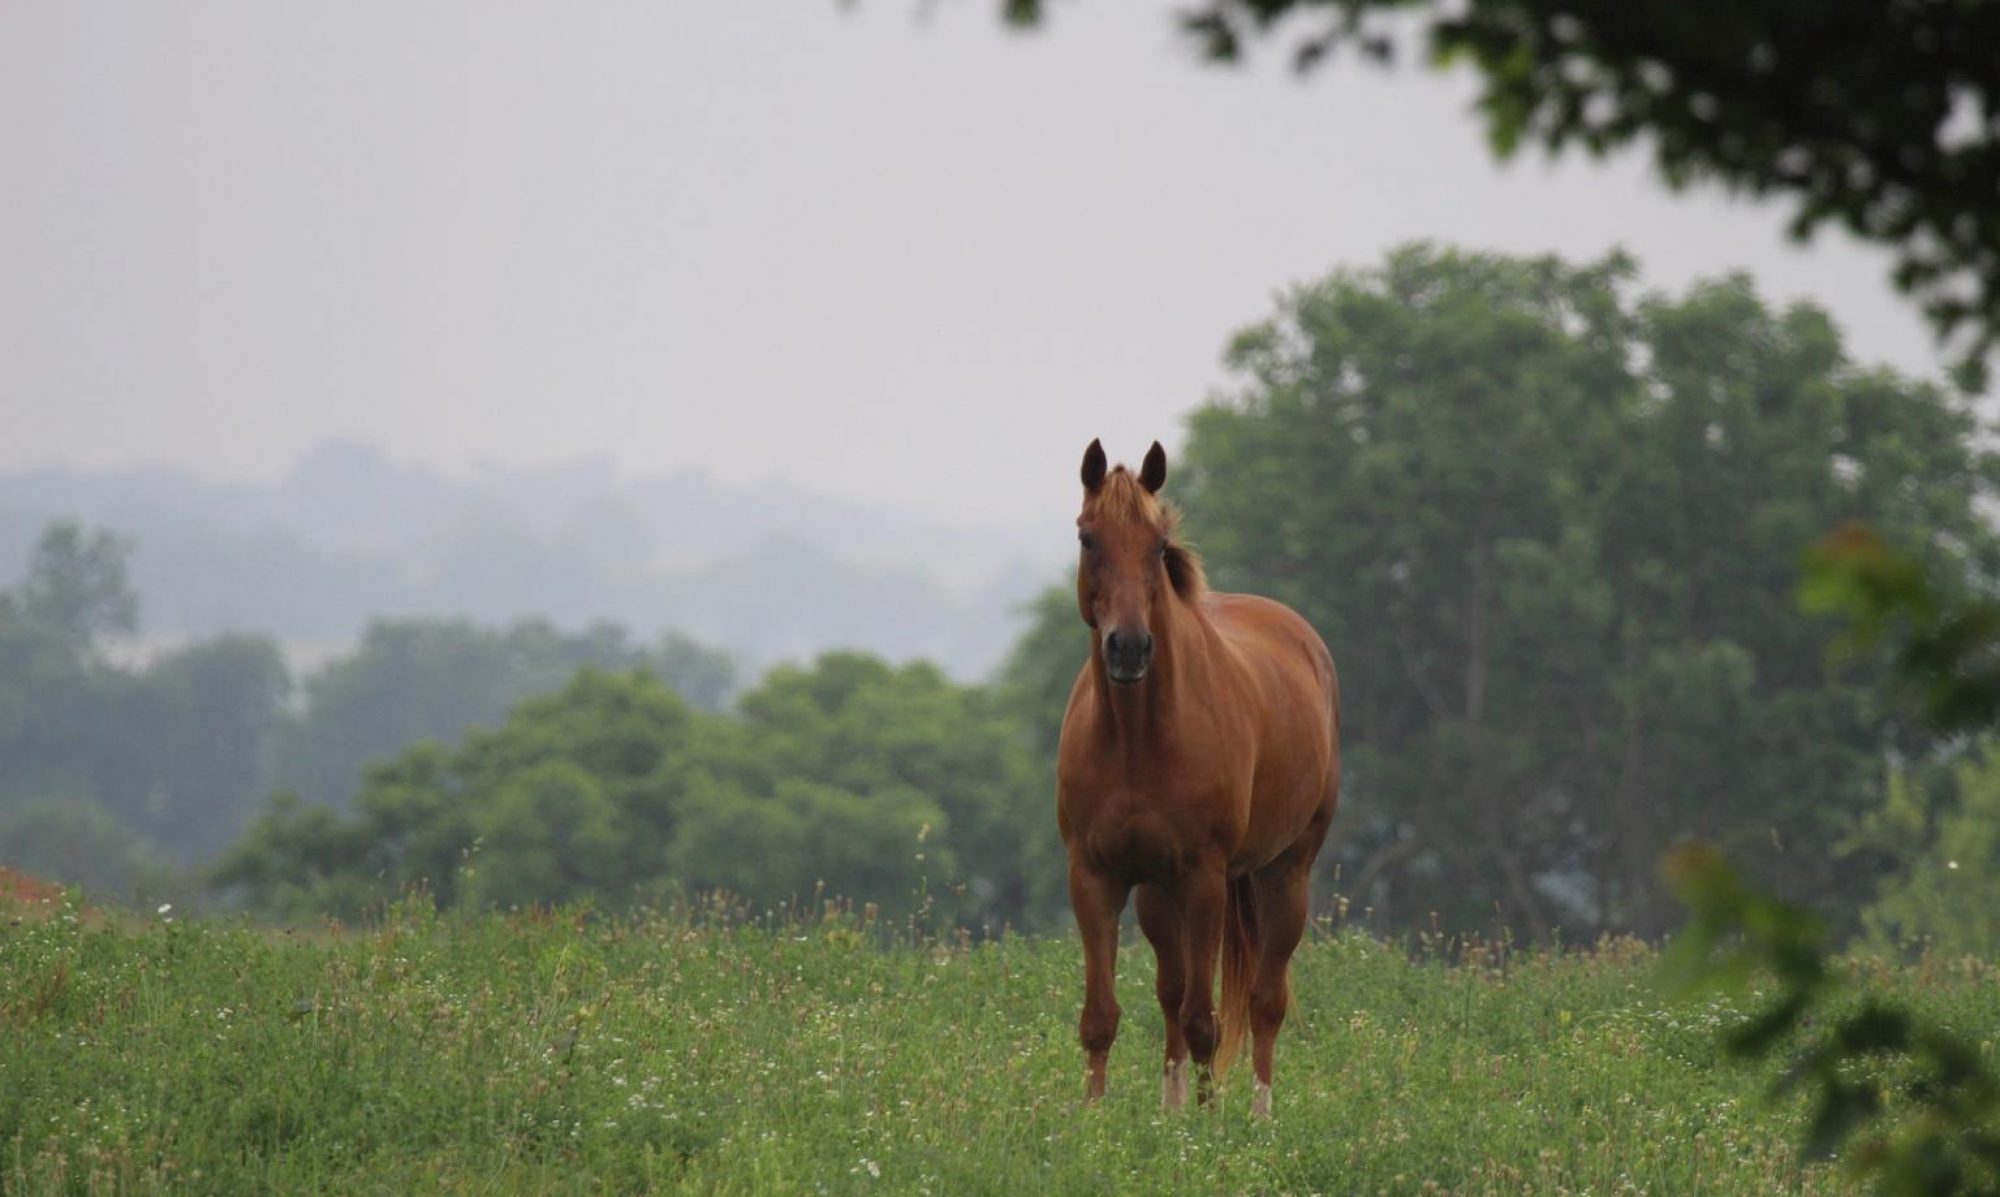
(1151, 708)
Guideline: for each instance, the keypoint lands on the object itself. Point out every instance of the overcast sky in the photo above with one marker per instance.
(888, 252)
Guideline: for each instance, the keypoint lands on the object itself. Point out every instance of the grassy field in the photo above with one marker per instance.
(570, 1055)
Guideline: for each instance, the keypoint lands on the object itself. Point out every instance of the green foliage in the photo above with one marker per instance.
(922, 752)
(804, 838)
(185, 751)
(76, 586)
(1036, 681)
(175, 752)
(85, 845)
(548, 830)
(50, 702)
(850, 778)
(1549, 527)
(299, 859)
(1877, 118)
(1915, 1107)
(1033, 690)
(1946, 849)
(1920, 1104)
(412, 680)
(574, 795)
(53, 685)
(1944, 628)
(445, 1053)
(1937, 624)
(170, 761)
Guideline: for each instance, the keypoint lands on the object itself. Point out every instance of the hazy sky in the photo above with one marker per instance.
(888, 252)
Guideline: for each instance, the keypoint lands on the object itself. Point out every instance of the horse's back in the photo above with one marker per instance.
(1276, 643)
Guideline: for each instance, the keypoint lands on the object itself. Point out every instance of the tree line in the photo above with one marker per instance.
(1549, 521)
(126, 776)
(851, 778)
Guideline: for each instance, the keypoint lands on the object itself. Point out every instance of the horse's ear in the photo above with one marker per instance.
(1153, 474)
(1093, 466)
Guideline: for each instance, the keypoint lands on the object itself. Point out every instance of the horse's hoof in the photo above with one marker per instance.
(1260, 1101)
(1173, 1086)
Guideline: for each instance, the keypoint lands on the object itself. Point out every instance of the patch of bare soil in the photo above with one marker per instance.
(24, 893)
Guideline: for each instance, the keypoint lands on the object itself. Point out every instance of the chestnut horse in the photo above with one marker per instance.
(1200, 765)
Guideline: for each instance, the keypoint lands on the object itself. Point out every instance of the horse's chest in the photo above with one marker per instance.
(1140, 841)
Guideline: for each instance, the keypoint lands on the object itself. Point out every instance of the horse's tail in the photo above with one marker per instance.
(1239, 966)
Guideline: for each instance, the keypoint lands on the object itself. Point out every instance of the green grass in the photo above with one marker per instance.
(573, 1055)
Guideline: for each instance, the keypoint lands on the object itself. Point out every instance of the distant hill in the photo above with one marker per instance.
(763, 573)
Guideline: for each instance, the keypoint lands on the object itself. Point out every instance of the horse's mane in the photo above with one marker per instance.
(1120, 499)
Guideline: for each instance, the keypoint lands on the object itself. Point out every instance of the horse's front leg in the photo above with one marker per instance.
(1097, 901)
(1160, 919)
(1204, 906)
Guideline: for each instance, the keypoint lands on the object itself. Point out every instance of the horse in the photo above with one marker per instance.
(1200, 766)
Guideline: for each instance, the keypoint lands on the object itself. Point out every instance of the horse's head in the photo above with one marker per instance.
(1128, 559)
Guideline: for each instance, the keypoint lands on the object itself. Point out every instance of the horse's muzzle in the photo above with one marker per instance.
(1126, 657)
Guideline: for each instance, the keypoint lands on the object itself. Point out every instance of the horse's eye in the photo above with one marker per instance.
(1086, 540)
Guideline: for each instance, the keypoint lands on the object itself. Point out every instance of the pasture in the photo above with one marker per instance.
(701, 1052)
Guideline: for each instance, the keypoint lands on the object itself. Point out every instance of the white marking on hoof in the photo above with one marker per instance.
(1173, 1086)
(1260, 1101)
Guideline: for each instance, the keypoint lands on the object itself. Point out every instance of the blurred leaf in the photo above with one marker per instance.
(1841, 1109)
(1761, 98)
(1936, 1138)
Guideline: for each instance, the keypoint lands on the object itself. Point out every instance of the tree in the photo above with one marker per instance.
(183, 750)
(176, 753)
(54, 687)
(302, 859)
(803, 838)
(50, 698)
(1548, 527)
(76, 585)
(548, 834)
(79, 842)
(575, 795)
(1033, 690)
(942, 764)
(849, 777)
(412, 680)
(1883, 118)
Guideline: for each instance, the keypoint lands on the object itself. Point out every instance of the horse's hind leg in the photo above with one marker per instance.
(1160, 919)
(1283, 895)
